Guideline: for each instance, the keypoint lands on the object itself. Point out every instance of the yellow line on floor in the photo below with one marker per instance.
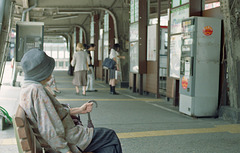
(70, 80)
(96, 88)
(9, 141)
(142, 99)
(6, 98)
(231, 128)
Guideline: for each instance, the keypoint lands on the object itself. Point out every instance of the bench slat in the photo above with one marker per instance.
(22, 132)
(20, 117)
(25, 144)
(26, 137)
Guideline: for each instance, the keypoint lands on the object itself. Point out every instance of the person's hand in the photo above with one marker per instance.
(85, 108)
(69, 152)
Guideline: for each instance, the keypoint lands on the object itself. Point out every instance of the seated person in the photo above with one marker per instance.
(52, 121)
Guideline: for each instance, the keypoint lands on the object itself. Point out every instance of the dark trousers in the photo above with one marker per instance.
(104, 141)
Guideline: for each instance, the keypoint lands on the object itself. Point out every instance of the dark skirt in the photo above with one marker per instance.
(104, 141)
(112, 73)
(80, 78)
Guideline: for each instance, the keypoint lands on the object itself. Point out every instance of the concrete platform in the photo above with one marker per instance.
(143, 124)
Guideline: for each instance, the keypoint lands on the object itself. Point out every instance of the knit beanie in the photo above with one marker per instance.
(37, 65)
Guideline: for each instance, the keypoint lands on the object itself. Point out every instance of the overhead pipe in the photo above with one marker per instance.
(66, 26)
(107, 10)
(114, 22)
(84, 32)
(28, 9)
(94, 8)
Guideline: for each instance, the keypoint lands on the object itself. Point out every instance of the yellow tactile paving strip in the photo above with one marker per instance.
(230, 128)
(142, 99)
(100, 89)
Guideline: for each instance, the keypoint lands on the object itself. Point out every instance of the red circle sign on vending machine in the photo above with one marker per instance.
(184, 83)
(208, 30)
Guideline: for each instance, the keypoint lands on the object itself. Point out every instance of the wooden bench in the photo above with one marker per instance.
(26, 140)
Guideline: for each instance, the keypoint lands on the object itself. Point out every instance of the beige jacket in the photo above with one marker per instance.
(80, 61)
(52, 120)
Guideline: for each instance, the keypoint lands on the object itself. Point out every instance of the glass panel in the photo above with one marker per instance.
(67, 54)
(177, 15)
(185, 1)
(92, 26)
(136, 10)
(105, 54)
(132, 11)
(134, 54)
(100, 49)
(66, 64)
(134, 32)
(92, 40)
(60, 54)
(81, 35)
(106, 22)
(54, 54)
(48, 53)
(151, 43)
(60, 64)
(106, 43)
(175, 3)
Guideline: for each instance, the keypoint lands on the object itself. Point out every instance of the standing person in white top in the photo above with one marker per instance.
(80, 62)
(114, 54)
(91, 75)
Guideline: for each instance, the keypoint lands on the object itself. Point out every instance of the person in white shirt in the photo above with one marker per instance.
(116, 57)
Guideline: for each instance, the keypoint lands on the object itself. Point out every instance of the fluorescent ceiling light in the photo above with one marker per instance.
(64, 17)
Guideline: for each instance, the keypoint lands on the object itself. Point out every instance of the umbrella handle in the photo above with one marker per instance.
(90, 124)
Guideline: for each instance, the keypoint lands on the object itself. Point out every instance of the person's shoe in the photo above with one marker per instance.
(77, 93)
(92, 90)
(114, 93)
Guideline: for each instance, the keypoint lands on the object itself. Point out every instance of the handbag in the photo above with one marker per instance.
(118, 75)
(109, 63)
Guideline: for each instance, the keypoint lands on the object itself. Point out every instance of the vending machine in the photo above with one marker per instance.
(199, 68)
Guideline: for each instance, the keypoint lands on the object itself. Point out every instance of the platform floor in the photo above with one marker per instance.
(144, 124)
